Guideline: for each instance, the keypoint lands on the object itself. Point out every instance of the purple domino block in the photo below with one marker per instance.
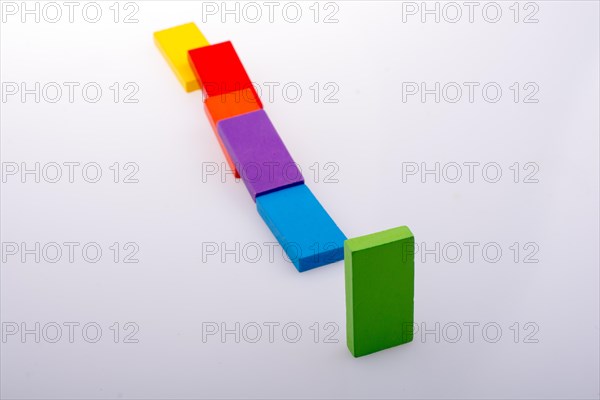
(258, 153)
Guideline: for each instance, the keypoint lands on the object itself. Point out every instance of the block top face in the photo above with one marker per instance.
(304, 229)
(258, 152)
(174, 44)
(378, 238)
(219, 69)
(231, 105)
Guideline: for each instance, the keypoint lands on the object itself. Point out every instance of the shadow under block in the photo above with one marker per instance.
(379, 273)
(301, 225)
(229, 105)
(174, 44)
(219, 70)
(258, 153)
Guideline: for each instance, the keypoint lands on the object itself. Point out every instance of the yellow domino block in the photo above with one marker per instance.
(174, 44)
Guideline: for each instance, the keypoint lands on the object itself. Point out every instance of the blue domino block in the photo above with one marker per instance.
(301, 225)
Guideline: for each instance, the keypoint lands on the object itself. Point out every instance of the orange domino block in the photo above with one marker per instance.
(229, 105)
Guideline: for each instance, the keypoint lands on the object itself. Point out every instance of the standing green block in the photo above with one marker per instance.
(380, 286)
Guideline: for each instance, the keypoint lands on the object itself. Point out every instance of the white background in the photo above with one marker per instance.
(174, 212)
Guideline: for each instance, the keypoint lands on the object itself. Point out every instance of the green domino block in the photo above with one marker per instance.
(380, 286)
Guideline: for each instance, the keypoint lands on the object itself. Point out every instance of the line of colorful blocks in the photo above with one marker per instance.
(253, 147)
(379, 268)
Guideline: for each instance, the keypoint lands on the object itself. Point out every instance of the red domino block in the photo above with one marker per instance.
(229, 105)
(219, 70)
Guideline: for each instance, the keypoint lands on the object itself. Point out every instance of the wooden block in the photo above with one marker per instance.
(258, 153)
(229, 105)
(380, 273)
(174, 44)
(220, 70)
(302, 226)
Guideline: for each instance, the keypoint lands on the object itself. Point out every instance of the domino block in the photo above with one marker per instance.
(380, 273)
(301, 225)
(229, 105)
(258, 153)
(220, 70)
(174, 44)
